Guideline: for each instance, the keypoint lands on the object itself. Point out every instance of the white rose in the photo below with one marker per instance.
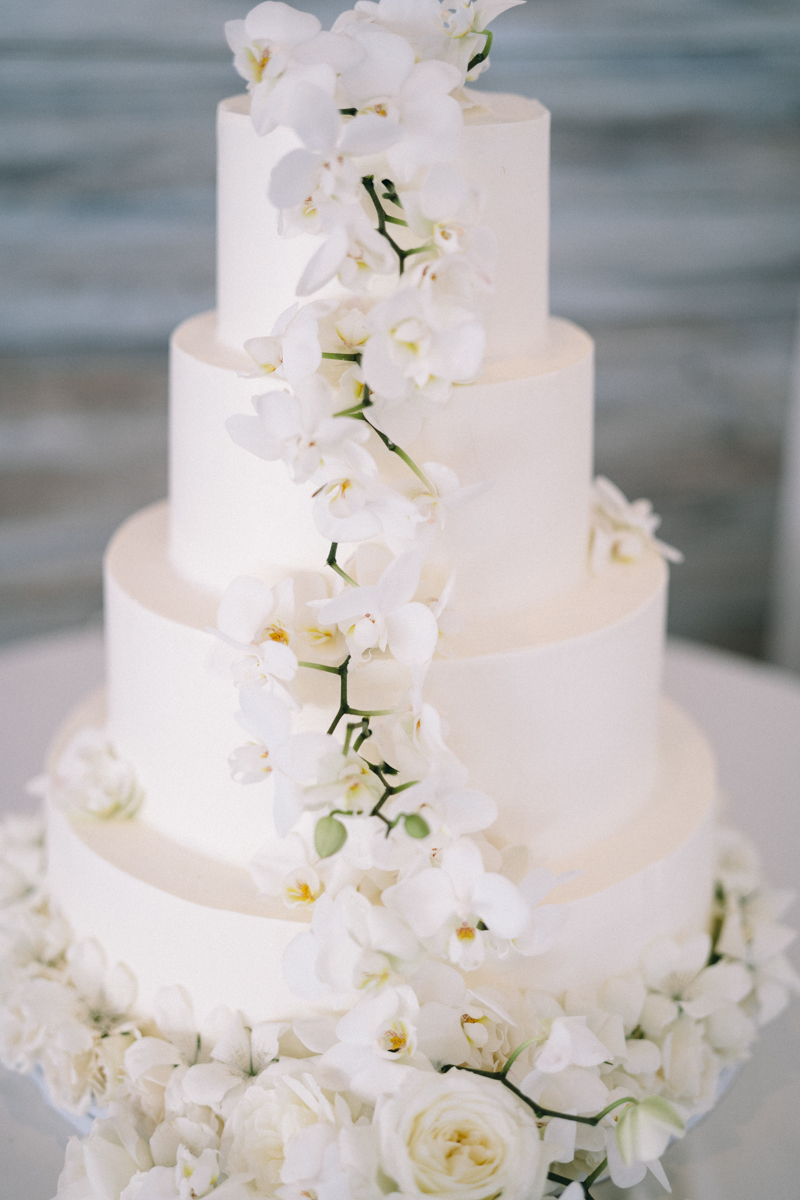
(462, 1136)
(255, 1138)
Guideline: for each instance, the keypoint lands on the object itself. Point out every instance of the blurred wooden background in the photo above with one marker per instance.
(676, 242)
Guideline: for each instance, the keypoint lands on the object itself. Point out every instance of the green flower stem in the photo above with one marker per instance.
(551, 1175)
(332, 563)
(401, 454)
(352, 726)
(319, 667)
(373, 712)
(383, 218)
(484, 54)
(595, 1175)
(513, 1057)
(537, 1108)
(349, 112)
(391, 193)
(355, 411)
(345, 710)
(366, 732)
(356, 358)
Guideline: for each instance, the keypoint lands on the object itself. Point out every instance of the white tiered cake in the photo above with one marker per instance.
(548, 688)
(551, 693)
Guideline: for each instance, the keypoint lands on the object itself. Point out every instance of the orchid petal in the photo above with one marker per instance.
(369, 134)
(500, 905)
(324, 263)
(293, 178)
(273, 21)
(413, 634)
(386, 64)
(263, 715)
(425, 901)
(244, 609)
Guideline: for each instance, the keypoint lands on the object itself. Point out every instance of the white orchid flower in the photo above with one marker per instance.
(448, 810)
(354, 252)
(623, 529)
(292, 351)
(445, 215)
(573, 1090)
(415, 345)
(289, 871)
(354, 947)
(345, 781)
(689, 1067)
(414, 743)
(279, 50)
(352, 503)
(680, 982)
(109, 994)
(239, 1055)
(313, 639)
(298, 429)
(570, 1043)
(154, 1064)
(385, 616)
(452, 30)
(263, 42)
(104, 1163)
(384, 1023)
(256, 621)
(92, 780)
(456, 902)
(293, 758)
(465, 22)
(433, 501)
(378, 1031)
(413, 98)
(457, 1025)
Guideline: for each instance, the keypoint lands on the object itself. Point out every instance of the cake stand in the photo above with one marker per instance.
(748, 1147)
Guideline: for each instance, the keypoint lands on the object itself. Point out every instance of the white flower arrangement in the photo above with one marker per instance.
(418, 1087)
(623, 529)
(91, 779)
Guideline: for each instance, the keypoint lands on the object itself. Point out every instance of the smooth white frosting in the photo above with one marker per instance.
(174, 916)
(505, 151)
(555, 715)
(525, 430)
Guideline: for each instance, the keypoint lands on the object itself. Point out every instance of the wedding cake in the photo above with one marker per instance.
(409, 873)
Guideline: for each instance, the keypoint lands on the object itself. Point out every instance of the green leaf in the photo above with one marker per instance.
(329, 836)
(416, 827)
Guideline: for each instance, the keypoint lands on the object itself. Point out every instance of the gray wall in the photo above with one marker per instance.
(676, 242)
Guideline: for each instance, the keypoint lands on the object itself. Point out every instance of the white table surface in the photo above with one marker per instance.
(748, 1148)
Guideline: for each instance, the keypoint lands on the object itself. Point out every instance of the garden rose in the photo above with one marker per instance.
(461, 1136)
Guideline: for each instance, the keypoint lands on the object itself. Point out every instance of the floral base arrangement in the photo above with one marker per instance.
(427, 1088)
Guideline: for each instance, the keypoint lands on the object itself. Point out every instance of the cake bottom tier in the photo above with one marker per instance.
(173, 915)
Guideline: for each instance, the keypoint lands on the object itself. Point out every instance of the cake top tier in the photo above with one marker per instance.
(503, 154)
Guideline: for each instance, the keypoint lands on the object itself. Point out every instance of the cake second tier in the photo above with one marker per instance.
(523, 432)
(555, 716)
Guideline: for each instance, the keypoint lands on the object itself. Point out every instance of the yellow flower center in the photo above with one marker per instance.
(465, 933)
(395, 1040)
(275, 633)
